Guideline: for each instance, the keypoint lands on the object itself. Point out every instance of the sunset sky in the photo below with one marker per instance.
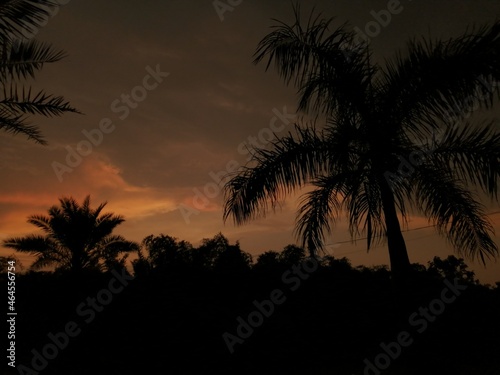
(169, 136)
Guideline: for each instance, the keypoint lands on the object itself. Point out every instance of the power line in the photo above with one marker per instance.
(407, 230)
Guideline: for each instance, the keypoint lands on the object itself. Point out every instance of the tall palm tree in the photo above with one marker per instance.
(20, 57)
(378, 118)
(76, 238)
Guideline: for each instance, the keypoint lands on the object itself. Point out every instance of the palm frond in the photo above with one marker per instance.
(473, 154)
(25, 102)
(455, 212)
(27, 244)
(318, 210)
(314, 57)
(20, 19)
(364, 209)
(40, 221)
(436, 78)
(56, 256)
(116, 244)
(21, 59)
(290, 164)
(34, 244)
(18, 125)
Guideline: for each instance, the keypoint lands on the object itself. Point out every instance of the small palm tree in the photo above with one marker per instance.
(20, 58)
(76, 238)
(376, 118)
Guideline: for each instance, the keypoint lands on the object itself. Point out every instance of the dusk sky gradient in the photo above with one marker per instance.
(161, 153)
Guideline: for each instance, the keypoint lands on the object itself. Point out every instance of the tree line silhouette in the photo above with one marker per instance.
(172, 315)
(187, 297)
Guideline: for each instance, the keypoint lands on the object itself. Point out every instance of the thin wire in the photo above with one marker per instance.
(407, 230)
(377, 246)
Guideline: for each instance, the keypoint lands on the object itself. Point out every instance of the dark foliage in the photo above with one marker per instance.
(173, 322)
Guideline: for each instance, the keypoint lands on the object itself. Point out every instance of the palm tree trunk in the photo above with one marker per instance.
(398, 255)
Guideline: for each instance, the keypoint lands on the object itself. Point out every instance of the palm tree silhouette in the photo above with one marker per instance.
(20, 58)
(378, 118)
(76, 238)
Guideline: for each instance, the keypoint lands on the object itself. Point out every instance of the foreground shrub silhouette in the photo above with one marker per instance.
(173, 322)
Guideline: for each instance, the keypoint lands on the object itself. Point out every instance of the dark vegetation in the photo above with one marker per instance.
(171, 318)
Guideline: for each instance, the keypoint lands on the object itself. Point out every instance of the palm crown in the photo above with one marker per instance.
(378, 118)
(76, 238)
